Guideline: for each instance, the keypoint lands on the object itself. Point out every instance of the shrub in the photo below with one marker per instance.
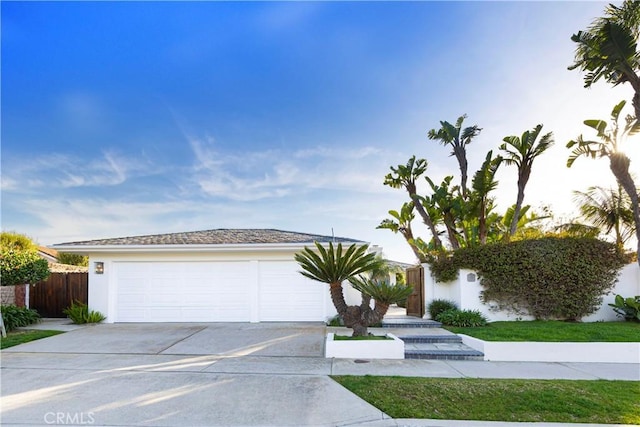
(335, 321)
(437, 306)
(462, 318)
(79, 313)
(17, 317)
(629, 308)
(73, 259)
(549, 278)
(19, 267)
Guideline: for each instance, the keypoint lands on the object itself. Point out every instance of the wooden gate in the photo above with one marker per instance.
(53, 295)
(415, 301)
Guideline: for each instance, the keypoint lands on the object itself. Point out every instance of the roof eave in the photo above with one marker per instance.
(235, 247)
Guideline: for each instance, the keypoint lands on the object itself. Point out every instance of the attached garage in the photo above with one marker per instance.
(206, 276)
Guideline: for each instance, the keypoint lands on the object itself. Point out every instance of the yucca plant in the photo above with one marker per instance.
(335, 265)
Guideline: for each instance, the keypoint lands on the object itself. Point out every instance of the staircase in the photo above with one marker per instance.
(425, 339)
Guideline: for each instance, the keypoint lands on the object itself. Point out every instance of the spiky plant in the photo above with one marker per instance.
(333, 265)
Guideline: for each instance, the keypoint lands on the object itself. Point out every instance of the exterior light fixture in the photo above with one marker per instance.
(98, 267)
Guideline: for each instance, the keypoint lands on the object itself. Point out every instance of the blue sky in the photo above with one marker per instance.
(153, 117)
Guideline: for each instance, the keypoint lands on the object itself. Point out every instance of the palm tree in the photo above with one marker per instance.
(608, 49)
(334, 266)
(611, 136)
(609, 210)
(402, 224)
(458, 138)
(405, 176)
(522, 152)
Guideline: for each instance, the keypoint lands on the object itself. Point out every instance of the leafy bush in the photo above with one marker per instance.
(462, 318)
(73, 259)
(549, 278)
(437, 306)
(17, 242)
(18, 267)
(79, 313)
(629, 308)
(16, 317)
(335, 321)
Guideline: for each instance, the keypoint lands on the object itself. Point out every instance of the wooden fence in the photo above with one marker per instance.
(53, 295)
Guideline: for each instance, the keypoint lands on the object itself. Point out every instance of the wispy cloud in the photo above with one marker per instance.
(58, 170)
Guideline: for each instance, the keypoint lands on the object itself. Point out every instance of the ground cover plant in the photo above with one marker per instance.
(79, 313)
(21, 337)
(560, 401)
(359, 338)
(437, 306)
(16, 317)
(462, 318)
(554, 331)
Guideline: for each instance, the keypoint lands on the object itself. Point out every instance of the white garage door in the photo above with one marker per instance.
(182, 292)
(286, 295)
(216, 292)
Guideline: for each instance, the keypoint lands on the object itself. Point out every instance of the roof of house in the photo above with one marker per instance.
(220, 236)
(48, 253)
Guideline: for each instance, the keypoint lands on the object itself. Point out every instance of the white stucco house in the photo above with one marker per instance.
(222, 275)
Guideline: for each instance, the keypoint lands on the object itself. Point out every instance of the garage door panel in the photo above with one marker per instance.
(181, 291)
(286, 295)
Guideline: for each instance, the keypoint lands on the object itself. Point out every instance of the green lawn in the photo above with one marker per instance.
(560, 401)
(20, 337)
(555, 331)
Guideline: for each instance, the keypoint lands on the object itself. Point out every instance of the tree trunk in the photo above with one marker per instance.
(522, 183)
(407, 233)
(619, 164)
(428, 222)
(359, 318)
(461, 155)
(337, 297)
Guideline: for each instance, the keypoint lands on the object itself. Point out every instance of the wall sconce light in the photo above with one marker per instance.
(471, 277)
(98, 267)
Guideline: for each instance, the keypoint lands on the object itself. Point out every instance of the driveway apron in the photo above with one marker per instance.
(178, 375)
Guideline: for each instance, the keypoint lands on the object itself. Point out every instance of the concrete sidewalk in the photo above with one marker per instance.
(224, 375)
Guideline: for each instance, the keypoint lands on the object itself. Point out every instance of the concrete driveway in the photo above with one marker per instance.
(223, 374)
(178, 375)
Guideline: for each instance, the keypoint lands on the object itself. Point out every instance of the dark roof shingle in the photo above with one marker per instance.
(220, 236)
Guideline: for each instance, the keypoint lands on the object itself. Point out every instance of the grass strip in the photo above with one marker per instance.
(560, 401)
(361, 338)
(554, 331)
(23, 336)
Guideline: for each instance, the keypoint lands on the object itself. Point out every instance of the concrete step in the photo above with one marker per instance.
(409, 322)
(430, 339)
(441, 351)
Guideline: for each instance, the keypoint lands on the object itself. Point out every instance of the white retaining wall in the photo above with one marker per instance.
(465, 292)
(590, 352)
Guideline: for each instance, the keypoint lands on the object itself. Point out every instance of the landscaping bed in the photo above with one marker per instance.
(559, 401)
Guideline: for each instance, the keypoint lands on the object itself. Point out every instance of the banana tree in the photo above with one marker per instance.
(521, 152)
(611, 136)
(401, 223)
(458, 138)
(608, 49)
(405, 176)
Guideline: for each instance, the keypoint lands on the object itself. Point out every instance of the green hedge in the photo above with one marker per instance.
(22, 267)
(548, 278)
